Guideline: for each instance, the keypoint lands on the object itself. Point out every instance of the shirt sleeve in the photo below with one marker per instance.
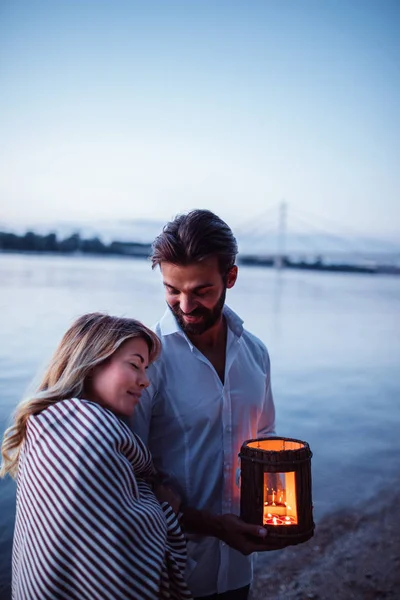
(266, 422)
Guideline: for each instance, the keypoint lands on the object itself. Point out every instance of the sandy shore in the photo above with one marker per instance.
(353, 555)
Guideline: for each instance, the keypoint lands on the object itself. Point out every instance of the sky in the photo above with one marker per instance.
(121, 110)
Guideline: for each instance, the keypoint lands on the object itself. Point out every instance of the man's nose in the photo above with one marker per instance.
(186, 304)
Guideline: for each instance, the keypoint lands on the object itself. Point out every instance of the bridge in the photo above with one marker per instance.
(299, 239)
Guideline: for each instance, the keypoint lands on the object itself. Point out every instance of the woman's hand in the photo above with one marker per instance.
(164, 493)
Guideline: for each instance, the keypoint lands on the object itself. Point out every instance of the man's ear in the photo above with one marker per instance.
(231, 277)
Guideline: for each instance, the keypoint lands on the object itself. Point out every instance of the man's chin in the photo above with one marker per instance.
(196, 327)
(192, 326)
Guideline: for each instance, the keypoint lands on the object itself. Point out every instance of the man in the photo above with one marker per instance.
(210, 391)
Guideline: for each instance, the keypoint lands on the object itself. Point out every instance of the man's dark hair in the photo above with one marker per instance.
(193, 237)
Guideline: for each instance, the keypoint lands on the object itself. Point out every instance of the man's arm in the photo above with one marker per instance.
(228, 528)
(266, 422)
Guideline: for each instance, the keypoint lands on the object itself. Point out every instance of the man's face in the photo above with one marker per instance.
(196, 293)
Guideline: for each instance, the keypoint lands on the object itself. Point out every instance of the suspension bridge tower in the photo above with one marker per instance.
(279, 261)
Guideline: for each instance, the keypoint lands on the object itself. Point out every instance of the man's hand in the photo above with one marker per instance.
(243, 537)
(230, 529)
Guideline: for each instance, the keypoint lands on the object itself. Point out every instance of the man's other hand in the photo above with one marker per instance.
(165, 493)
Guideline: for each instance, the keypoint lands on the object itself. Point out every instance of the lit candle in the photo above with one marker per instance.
(274, 519)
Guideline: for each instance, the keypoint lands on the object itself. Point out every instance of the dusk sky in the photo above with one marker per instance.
(124, 109)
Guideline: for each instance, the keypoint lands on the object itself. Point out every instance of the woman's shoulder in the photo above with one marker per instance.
(79, 416)
(80, 424)
(92, 410)
(74, 407)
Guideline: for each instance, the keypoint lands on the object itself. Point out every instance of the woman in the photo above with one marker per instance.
(88, 524)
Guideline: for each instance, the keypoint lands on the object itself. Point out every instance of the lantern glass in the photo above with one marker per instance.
(280, 506)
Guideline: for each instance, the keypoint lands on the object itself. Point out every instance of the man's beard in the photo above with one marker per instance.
(209, 316)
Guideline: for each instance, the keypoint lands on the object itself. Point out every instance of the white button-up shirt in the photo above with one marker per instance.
(195, 425)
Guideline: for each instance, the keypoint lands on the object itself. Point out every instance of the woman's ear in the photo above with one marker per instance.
(231, 277)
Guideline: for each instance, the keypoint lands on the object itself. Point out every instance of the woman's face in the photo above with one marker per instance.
(118, 383)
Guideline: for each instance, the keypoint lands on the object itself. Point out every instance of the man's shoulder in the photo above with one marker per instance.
(255, 345)
(235, 323)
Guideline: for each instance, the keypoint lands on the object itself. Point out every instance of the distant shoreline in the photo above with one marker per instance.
(74, 244)
(33, 243)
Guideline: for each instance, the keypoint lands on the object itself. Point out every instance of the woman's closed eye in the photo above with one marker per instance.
(138, 367)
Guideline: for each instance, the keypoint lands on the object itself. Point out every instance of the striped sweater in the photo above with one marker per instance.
(88, 526)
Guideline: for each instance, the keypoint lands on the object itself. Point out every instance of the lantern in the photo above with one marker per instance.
(275, 488)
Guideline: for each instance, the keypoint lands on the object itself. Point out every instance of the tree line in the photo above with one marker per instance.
(33, 242)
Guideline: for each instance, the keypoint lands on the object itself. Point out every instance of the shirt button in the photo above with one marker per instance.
(228, 429)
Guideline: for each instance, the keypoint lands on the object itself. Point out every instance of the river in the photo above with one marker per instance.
(334, 342)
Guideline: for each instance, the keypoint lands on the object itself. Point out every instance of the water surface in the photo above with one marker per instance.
(334, 342)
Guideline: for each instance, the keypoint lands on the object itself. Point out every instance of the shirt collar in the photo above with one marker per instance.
(169, 324)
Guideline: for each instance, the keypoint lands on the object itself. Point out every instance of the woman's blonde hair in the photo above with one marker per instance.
(91, 340)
